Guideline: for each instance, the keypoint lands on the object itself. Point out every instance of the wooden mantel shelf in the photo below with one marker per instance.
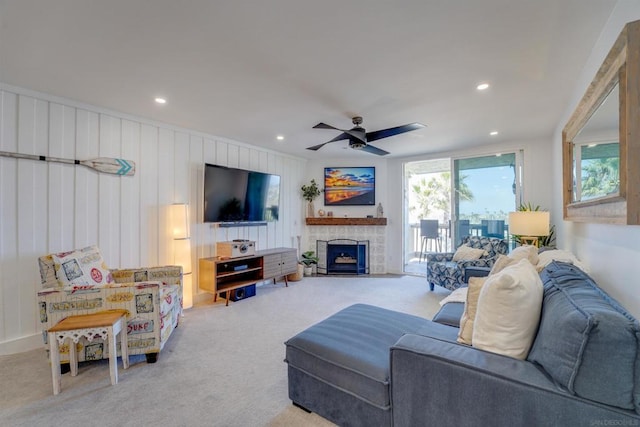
(325, 220)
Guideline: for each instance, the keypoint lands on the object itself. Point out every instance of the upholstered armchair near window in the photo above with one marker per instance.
(79, 282)
(447, 269)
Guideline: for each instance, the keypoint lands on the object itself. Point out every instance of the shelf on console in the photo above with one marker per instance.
(345, 221)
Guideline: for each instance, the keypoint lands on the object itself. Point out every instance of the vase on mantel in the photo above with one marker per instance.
(310, 210)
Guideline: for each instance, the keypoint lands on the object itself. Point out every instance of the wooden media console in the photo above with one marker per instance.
(218, 274)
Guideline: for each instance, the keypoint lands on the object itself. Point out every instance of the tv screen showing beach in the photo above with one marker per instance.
(353, 186)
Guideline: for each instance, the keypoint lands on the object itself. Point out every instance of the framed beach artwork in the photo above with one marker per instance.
(351, 186)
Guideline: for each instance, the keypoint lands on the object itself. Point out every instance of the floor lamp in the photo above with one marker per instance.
(182, 249)
(529, 225)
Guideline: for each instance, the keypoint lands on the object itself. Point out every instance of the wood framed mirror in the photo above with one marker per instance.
(601, 141)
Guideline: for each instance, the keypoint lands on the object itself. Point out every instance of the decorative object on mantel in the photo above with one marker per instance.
(380, 211)
(309, 193)
(101, 164)
(320, 212)
(328, 220)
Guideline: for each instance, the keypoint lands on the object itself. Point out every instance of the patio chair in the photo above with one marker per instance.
(429, 233)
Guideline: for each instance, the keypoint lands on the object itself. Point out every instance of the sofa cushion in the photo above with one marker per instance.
(449, 314)
(82, 267)
(547, 256)
(508, 311)
(586, 341)
(351, 348)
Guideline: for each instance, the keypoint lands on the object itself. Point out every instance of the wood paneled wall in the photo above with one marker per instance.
(49, 207)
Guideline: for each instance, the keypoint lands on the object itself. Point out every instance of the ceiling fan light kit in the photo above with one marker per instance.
(359, 138)
(356, 144)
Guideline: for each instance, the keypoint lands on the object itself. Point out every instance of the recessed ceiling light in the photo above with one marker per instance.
(493, 133)
(280, 138)
(161, 100)
(482, 86)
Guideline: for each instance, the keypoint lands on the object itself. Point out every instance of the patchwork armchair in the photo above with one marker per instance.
(80, 283)
(443, 271)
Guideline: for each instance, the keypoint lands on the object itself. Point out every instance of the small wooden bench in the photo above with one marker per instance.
(105, 325)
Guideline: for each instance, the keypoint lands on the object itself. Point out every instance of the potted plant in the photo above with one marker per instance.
(309, 193)
(309, 260)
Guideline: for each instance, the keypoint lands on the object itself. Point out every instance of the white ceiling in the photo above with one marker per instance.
(249, 70)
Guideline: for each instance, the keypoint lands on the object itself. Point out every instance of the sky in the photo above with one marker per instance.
(492, 189)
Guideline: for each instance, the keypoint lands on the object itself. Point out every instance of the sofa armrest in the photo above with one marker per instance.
(435, 382)
(439, 257)
(480, 262)
(474, 271)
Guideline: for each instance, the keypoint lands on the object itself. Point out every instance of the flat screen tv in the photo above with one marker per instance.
(237, 195)
(354, 186)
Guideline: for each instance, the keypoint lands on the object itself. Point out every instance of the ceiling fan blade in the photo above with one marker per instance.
(374, 150)
(325, 126)
(355, 132)
(317, 147)
(337, 138)
(385, 133)
(340, 137)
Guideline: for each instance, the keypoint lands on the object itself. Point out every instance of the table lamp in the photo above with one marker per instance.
(529, 225)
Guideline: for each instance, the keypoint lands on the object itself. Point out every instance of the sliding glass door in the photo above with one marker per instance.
(461, 197)
(486, 189)
(427, 211)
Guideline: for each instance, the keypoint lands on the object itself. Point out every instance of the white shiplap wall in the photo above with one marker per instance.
(48, 207)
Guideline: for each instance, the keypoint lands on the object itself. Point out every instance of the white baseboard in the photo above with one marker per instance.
(20, 345)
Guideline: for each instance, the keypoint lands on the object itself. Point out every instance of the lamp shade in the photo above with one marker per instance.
(529, 223)
(180, 220)
(182, 254)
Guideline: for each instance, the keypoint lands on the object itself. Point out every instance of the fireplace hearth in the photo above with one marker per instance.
(343, 256)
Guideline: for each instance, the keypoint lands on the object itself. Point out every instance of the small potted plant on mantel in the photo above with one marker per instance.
(309, 193)
(309, 260)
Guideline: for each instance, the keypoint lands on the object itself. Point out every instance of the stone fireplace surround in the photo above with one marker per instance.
(343, 256)
(375, 234)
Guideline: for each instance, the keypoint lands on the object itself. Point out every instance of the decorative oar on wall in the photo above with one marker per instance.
(100, 164)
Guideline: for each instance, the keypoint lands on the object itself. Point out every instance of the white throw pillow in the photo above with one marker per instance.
(508, 311)
(465, 333)
(529, 252)
(546, 257)
(466, 253)
(82, 267)
(501, 263)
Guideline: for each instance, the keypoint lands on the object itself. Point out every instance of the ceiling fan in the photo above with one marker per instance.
(359, 139)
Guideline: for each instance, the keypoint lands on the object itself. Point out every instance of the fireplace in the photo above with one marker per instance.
(343, 256)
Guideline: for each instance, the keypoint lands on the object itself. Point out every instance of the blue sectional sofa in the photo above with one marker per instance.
(368, 366)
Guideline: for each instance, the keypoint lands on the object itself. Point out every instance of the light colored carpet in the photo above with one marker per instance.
(222, 367)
